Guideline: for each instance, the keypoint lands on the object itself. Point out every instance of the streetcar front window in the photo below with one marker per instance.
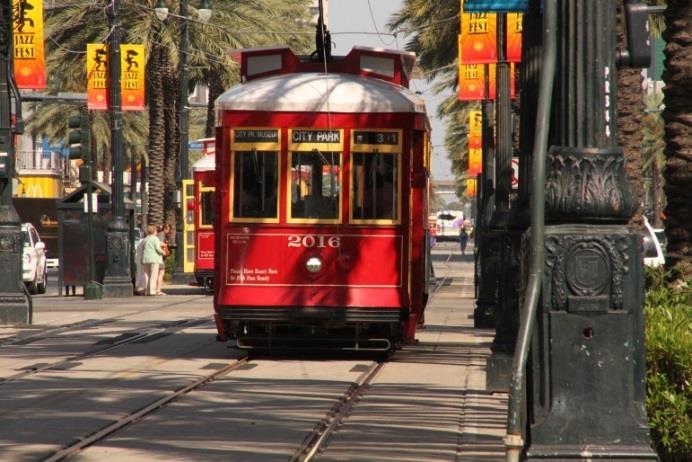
(375, 192)
(255, 184)
(315, 187)
(206, 207)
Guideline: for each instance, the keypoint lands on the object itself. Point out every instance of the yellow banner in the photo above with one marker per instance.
(475, 124)
(514, 30)
(27, 33)
(97, 76)
(475, 161)
(132, 76)
(478, 38)
(471, 187)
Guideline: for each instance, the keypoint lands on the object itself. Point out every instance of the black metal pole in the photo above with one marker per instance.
(586, 400)
(118, 282)
(486, 263)
(14, 306)
(503, 227)
(179, 274)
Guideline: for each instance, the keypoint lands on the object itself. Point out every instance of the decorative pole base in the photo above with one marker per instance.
(14, 305)
(118, 282)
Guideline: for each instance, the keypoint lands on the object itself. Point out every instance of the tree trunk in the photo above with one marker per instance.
(157, 134)
(172, 149)
(215, 90)
(677, 116)
(630, 106)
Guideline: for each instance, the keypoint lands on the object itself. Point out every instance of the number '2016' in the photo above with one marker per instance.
(319, 240)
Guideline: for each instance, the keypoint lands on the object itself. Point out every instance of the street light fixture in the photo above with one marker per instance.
(204, 13)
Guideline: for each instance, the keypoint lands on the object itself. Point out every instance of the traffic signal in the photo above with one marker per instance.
(79, 136)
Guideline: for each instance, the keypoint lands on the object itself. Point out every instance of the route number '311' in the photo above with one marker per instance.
(319, 241)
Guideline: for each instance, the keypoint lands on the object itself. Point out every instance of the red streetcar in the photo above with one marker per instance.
(322, 206)
(203, 176)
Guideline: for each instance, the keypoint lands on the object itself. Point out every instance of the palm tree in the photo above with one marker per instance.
(434, 27)
(630, 107)
(71, 24)
(677, 116)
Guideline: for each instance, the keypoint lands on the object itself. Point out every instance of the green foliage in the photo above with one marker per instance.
(669, 368)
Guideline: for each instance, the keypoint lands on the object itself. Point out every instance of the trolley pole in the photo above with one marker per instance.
(118, 281)
(586, 401)
(14, 306)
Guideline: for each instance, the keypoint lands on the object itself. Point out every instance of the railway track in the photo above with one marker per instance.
(319, 437)
(21, 339)
(133, 417)
(126, 338)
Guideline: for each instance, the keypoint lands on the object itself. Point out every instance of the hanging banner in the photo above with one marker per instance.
(514, 29)
(27, 33)
(478, 44)
(475, 142)
(477, 38)
(475, 124)
(471, 82)
(132, 77)
(97, 76)
(471, 187)
(498, 6)
(475, 160)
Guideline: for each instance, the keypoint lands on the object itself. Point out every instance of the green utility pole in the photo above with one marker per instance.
(14, 306)
(118, 281)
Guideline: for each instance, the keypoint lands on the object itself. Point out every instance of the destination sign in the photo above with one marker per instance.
(375, 137)
(316, 136)
(255, 136)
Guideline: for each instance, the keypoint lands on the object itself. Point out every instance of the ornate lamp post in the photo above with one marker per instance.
(14, 308)
(204, 14)
(118, 281)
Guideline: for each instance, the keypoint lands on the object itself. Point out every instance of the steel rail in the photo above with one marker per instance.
(317, 440)
(19, 339)
(136, 337)
(143, 412)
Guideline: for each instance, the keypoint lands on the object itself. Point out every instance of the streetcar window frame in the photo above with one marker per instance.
(364, 149)
(299, 146)
(207, 215)
(295, 190)
(266, 194)
(254, 140)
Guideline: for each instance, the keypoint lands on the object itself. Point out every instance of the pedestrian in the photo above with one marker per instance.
(141, 278)
(163, 232)
(463, 239)
(152, 258)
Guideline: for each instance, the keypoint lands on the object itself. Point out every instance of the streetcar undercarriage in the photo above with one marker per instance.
(292, 328)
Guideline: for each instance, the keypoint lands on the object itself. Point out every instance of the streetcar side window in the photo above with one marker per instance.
(374, 180)
(255, 184)
(206, 207)
(315, 189)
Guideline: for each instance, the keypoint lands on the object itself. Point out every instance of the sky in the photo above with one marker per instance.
(349, 16)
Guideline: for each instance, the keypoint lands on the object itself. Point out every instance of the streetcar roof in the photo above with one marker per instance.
(307, 92)
(205, 164)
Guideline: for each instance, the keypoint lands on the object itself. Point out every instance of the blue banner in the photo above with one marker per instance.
(496, 6)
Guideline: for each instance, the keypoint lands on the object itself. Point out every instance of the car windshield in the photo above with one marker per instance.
(25, 239)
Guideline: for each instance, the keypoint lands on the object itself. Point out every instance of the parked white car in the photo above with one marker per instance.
(34, 260)
(653, 250)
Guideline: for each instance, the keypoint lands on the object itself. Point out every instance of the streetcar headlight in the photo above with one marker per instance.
(314, 264)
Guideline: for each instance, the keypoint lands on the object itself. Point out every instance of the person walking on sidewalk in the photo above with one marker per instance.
(463, 240)
(152, 258)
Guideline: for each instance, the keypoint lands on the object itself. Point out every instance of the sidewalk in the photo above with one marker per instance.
(429, 403)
